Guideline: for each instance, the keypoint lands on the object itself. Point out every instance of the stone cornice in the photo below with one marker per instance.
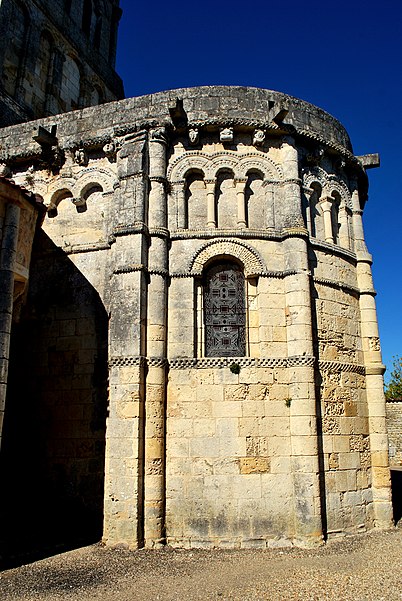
(338, 285)
(340, 366)
(262, 362)
(333, 249)
(247, 233)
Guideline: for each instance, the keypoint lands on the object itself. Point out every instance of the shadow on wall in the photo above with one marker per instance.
(52, 459)
(396, 483)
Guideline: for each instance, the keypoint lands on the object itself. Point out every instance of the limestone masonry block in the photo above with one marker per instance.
(202, 300)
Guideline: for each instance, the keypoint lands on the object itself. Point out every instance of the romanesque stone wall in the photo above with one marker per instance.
(394, 424)
(57, 402)
(228, 456)
(222, 231)
(56, 56)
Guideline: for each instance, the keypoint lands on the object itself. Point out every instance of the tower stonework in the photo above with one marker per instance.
(56, 56)
(220, 230)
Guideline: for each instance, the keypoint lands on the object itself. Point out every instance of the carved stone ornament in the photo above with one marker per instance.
(193, 136)
(110, 150)
(80, 204)
(259, 137)
(226, 134)
(52, 158)
(158, 135)
(314, 158)
(4, 170)
(81, 157)
(340, 164)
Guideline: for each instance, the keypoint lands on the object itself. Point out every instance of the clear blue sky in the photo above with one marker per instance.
(343, 56)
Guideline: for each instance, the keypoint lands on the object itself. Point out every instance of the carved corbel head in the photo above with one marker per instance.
(81, 157)
(259, 137)
(315, 157)
(110, 150)
(226, 134)
(5, 170)
(193, 136)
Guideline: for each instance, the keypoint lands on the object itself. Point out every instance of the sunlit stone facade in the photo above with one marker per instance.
(218, 270)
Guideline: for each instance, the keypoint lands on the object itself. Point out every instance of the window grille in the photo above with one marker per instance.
(224, 311)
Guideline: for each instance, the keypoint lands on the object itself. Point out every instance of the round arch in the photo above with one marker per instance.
(230, 250)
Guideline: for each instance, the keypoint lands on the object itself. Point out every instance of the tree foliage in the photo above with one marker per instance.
(393, 390)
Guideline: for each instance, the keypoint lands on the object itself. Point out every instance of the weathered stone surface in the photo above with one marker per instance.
(242, 402)
(67, 64)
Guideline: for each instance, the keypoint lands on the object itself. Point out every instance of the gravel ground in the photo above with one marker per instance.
(362, 568)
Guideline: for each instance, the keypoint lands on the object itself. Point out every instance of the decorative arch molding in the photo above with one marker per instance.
(58, 189)
(248, 256)
(314, 175)
(339, 186)
(96, 177)
(78, 187)
(210, 164)
(329, 183)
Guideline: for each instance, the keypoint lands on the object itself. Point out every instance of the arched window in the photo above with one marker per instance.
(42, 71)
(224, 310)
(70, 85)
(114, 22)
(257, 209)
(16, 48)
(226, 199)
(316, 218)
(195, 201)
(97, 96)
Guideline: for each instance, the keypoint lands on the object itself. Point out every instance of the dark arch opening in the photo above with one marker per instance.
(314, 210)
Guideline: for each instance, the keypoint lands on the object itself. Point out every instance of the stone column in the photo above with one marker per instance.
(8, 251)
(154, 473)
(269, 204)
(343, 227)
(381, 484)
(179, 192)
(241, 202)
(303, 423)
(211, 205)
(326, 205)
(308, 192)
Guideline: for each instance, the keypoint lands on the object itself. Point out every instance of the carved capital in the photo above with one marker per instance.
(80, 204)
(159, 135)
